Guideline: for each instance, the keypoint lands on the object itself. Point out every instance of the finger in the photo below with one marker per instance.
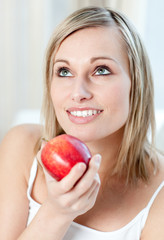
(83, 189)
(69, 181)
(94, 185)
(92, 197)
(75, 197)
(87, 201)
(85, 183)
(94, 191)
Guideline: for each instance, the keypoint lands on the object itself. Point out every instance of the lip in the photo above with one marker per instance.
(82, 109)
(80, 119)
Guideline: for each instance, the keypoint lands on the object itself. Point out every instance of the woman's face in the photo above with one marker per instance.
(91, 84)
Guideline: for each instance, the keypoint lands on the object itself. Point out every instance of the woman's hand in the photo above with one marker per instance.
(76, 193)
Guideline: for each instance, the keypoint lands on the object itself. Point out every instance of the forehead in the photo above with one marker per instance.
(93, 41)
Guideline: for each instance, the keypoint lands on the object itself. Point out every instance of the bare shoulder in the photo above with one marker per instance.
(161, 166)
(16, 157)
(18, 145)
(154, 228)
(24, 131)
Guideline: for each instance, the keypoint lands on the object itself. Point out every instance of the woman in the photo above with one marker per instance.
(98, 87)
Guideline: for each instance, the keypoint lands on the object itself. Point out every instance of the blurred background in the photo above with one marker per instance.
(26, 27)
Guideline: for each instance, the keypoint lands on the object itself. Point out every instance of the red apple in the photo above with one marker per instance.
(61, 153)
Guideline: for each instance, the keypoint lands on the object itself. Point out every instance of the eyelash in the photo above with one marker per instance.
(60, 69)
(102, 67)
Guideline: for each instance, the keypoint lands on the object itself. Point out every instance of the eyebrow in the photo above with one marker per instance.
(93, 59)
(61, 60)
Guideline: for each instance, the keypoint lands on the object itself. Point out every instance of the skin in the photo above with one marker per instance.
(85, 87)
(87, 202)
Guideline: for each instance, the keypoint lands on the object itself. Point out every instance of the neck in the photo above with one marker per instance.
(108, 148)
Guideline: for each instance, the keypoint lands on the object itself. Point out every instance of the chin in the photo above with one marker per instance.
(83, 135)
(93, 134)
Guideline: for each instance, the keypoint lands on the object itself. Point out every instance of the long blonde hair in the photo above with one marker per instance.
(135, 151)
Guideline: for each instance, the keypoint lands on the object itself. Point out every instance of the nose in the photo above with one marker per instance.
(81, 92)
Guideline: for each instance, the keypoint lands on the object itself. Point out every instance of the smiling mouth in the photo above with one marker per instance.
(85, 113)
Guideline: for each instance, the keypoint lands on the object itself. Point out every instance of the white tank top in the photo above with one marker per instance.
(131, 231)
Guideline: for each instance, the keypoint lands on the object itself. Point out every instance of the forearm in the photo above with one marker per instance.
(46, 225)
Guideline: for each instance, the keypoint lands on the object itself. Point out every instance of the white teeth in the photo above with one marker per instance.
(78, 113)
(90, 112)
(85, 113)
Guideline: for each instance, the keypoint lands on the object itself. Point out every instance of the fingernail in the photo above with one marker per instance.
(98, 159)
(81, 166)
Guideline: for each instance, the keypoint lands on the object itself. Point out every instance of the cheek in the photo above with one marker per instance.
(55, 92)
(55, 97)
(119, 99)
(58, 101)
(59, 91)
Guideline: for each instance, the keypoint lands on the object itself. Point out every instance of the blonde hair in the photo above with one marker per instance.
(135, 151)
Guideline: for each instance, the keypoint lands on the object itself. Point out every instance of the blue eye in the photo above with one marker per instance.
(102, 71)
(64, 72)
